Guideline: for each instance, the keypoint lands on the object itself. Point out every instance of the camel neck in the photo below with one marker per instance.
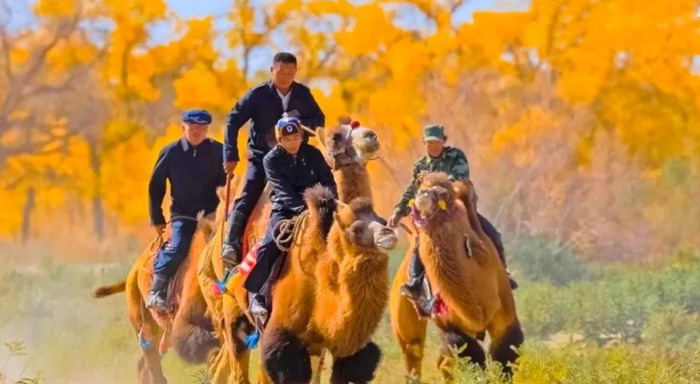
(353, 182)
(357, 296)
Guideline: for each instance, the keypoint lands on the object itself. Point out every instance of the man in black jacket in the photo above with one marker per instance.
(291, 167)
(263, 105)
(193, 166)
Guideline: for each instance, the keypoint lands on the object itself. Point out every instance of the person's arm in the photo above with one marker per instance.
(282, 187)
(239, 114)
(156, 188)
(314, 118)
(402, 207)
(460, 167)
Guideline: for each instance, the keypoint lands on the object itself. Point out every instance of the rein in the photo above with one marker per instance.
(288, 231)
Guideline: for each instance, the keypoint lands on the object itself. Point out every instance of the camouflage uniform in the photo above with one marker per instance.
(454, 163)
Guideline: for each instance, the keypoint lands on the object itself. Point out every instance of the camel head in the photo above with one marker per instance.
(435, 198)
(363, 227)
(349, 143)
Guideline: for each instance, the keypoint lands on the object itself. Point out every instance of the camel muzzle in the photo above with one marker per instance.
(426, 203)
(385, 238)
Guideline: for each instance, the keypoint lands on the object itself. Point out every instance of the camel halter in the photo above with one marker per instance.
(422, 222)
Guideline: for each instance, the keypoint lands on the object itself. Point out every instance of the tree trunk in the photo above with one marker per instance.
(97, 208)
(29, 206)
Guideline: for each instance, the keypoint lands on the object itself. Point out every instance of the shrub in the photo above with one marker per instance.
(539, 259)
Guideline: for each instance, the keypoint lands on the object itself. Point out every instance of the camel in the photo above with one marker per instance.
(330, 294)
(187, 327)
(349, 147)
(473, 294)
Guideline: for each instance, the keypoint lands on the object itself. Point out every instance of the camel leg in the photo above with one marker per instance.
(454, 341)
(150, 369)
(219, 368)
(144, 375)
(503, 337)
(152, 358)
(408, 328)
(285, 359)
(358, 368)
(263, 378)
(236, 326)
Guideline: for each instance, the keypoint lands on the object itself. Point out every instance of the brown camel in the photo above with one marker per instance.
(187, 327)
(330, 294)
(465, 274)
(349, 148)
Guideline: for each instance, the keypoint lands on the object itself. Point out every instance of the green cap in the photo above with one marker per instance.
(434, 132)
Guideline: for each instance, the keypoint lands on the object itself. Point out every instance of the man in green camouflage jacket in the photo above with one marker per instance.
(438, 158)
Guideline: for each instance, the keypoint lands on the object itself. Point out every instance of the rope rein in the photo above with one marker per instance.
(287, 231)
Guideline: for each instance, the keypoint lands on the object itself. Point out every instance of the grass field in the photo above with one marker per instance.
(582, 323)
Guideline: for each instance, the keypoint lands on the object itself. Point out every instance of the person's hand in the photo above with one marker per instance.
(160, 228)
(394, 219)
(230, 166)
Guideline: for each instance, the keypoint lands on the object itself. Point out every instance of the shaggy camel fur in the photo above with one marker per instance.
(349, 147)
(465, 273)
(188, 327)
(329, 295)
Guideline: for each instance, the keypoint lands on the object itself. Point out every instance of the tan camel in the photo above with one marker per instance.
(349, 147)
(329, 294)
(466, 276)
(187, 327)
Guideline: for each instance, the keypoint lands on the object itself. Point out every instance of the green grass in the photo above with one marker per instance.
(613, 325)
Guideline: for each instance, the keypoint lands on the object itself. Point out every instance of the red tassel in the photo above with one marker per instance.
(354, 124)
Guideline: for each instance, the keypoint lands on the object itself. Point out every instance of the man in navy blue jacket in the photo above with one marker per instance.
(193, 166)
(291, 167)
(263, 105)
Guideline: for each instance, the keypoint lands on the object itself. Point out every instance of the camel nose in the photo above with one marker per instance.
(386, 238)
(424, 200)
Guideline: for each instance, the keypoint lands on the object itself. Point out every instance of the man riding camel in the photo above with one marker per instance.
(263, 105)
(290, 167)
(439, 158)
(192, 164)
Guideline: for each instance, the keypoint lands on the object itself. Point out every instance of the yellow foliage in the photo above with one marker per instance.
(199, 87)
(56, 7)
(372, 29)
(622, 67)
(125, 172)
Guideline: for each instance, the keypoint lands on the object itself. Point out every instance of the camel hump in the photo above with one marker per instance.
(110, 289)
(318, 197)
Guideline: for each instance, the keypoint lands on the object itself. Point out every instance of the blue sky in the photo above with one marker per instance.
(208, 7)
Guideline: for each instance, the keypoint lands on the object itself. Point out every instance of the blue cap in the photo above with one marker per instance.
(196, 116)
(287, 126)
